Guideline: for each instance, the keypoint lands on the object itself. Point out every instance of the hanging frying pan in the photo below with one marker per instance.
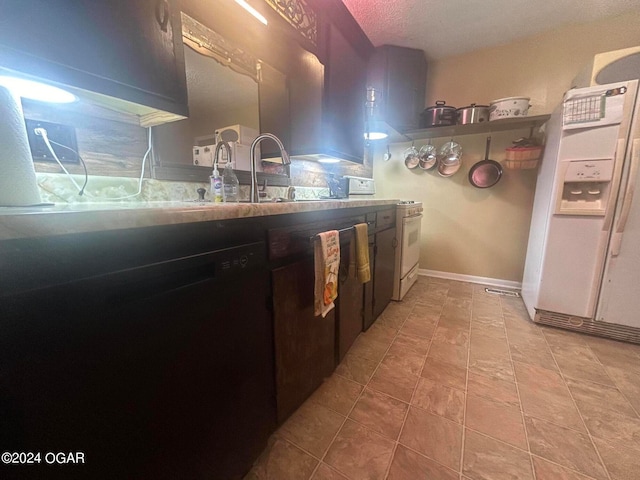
(486, 173)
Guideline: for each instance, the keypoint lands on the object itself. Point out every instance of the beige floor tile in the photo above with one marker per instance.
(434, 436)
(544, 394)
(484, 345)
(391, 381)
(550, 405)
(452, 335)
(445, 373)
(531, 349)
(397, 310)
(391, 322)
(453, 317)
(483, 363)
(622, 463)
(566, 447)
(404, 360)
(409, 465)
(312, 427)
(495, 419)
(338, 393)
(282, 461)
(596, 395)
(628, 384)
(488, 459)
(380, 413)
(503, 391)
(439, 399)
(412, 343)
(360, 453)
(515, 322)
(608, 424)
(449, 353)
(356, 368)
(419, 327)
(493, 330)
(428, 312)
(615, 354)
(380, 333)
(558, 337)
(575, 365)
(546, 470)
(325, 472)
(369, 349)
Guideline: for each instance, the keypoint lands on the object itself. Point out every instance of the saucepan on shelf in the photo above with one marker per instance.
(438, 115)
(473, 114)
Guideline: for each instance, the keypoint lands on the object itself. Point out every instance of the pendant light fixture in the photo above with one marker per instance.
(375, 128)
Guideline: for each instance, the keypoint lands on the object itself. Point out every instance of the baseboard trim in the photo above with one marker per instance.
(494, 282)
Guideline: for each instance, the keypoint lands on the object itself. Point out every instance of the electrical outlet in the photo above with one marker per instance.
(62, 134)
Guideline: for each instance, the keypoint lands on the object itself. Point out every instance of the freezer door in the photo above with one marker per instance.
(620, 294)
(576, 245)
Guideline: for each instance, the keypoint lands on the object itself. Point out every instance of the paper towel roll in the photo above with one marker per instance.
(18, 184)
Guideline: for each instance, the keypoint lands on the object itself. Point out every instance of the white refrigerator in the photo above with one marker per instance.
(582, 269)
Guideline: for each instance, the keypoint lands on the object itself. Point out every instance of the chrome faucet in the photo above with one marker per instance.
(219, 146)
(255, 198)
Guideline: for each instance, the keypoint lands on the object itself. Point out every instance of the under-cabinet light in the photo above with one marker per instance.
(375, 135)
(36, 90)
(251, 10)
(328, 160)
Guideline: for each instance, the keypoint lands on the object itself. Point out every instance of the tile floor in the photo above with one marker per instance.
(455, 383)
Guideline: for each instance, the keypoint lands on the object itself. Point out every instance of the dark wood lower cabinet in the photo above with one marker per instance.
(349, 306)
(384, 267)
(304, 343)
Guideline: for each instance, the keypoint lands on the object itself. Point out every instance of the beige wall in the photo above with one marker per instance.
(540, 67)
(484, 232)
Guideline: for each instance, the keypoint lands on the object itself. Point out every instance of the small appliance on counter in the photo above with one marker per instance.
(360, 186)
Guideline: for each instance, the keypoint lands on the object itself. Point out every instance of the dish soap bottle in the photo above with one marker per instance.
(216, 185)
(230, 184)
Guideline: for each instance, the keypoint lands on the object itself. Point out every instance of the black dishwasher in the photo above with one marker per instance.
(160, 371)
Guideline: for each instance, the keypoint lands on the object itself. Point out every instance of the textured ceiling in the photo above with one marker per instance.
(443, 28)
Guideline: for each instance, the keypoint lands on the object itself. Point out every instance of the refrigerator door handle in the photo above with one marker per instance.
(616, 238)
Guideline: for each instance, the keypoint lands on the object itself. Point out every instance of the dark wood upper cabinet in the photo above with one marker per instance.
(127, 50)
(399, 75)
(327, 111)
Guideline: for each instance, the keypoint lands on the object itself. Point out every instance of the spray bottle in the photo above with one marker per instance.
(216, 185)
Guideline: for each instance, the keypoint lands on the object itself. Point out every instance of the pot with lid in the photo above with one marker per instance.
(438, 115)
(473, 114)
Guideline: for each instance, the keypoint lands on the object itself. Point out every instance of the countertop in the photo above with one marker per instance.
(42, 221)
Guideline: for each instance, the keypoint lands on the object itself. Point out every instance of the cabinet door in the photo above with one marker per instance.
(349, 305)
(400, 75)
(345, 92)
(304, 343)
(383, 270)
(125, 49)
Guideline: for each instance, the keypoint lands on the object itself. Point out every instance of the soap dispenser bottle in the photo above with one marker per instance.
(216, 185)
(230, 184)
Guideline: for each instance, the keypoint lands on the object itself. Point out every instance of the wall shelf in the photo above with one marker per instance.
(469, 129)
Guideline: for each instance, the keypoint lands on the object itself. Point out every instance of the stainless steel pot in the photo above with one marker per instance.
(473, 114)
(438, 115)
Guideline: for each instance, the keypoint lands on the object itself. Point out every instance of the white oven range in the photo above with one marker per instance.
(408, 223)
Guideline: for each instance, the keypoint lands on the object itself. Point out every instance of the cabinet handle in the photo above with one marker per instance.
(162, 14)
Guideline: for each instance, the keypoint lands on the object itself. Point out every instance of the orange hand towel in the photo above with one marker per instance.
(360, 251)
(327, 262)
